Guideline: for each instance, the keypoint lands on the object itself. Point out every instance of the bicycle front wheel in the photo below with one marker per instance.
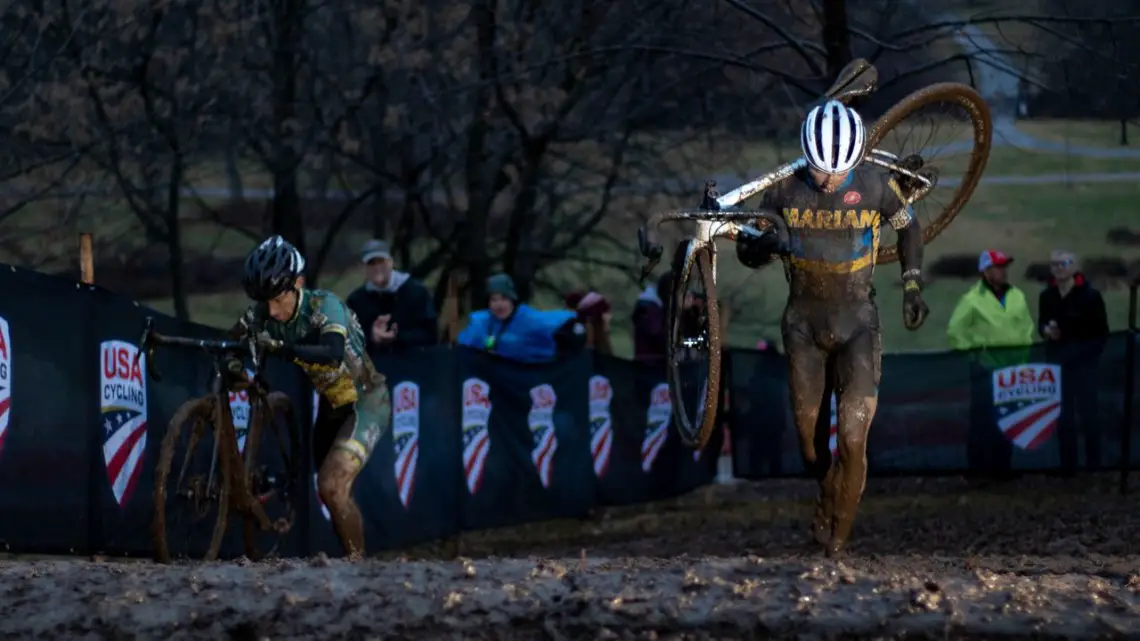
(942, 132)
(192, 489)
(274, 476)
(693, 343)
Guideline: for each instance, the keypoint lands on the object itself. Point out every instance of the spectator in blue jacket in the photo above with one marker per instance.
(518, 331)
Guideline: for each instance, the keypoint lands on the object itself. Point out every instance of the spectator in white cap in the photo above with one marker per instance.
(992, 321)
(395, 310)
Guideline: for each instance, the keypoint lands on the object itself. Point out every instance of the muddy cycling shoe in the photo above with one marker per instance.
(913, 163)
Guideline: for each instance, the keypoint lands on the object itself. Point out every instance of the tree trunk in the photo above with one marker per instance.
(174, 242)
(836, 37)
(1123, 132)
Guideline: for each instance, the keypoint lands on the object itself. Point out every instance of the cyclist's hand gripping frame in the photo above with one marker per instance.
(858, 78)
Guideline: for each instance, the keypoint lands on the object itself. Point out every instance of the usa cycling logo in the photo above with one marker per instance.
(544, 439)
(122, 406)
(5, 379)
(657, 419)
(406, 436)
(476, 440)
(239, 409)
(601, 423)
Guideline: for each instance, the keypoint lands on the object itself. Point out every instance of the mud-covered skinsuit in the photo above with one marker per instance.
(831, 323)
(355, 408)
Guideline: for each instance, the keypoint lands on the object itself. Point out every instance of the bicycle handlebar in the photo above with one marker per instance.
(647, 234)
(151, 339)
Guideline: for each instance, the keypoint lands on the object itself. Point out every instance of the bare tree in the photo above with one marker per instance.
(144, 77)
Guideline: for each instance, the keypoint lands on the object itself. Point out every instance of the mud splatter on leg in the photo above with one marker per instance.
(807, 368)
(334, 482)
(857, 373)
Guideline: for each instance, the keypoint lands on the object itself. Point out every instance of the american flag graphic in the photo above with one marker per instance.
(123, 416)
(1027, 400)
(320, 501)
(5, 379)
(124, 441)
(476, 439)
(541, 421)
(601, 424)
(657, 419)
(833, 439)
(406, 436)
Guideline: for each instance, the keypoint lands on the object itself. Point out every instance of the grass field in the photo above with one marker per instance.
(1026, 221)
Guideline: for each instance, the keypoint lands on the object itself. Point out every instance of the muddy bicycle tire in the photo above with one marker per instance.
(979, 111)
(277, 402)
(694, 433)
(197, 415)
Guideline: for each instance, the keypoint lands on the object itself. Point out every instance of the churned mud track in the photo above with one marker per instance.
(1037, 558)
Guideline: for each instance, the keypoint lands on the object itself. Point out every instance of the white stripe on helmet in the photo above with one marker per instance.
(833, 138)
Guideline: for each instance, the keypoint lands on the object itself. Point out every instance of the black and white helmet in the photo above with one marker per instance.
(833, 138)
(271, 269)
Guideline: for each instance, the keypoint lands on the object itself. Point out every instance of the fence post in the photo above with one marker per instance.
(86, 259)
(1129, 384)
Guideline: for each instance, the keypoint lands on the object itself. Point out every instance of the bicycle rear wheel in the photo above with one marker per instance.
(946, 103)
(191, 491)
(274, 477)
(693, 343)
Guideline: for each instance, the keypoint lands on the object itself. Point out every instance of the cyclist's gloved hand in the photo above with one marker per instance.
(234, 365)
(269, 343)
(914, 307)
(756, 248)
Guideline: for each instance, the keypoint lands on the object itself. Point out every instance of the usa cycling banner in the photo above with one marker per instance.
(526, 438)
(646, 461)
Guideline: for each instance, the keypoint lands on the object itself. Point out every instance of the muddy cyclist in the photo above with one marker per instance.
(315, 330)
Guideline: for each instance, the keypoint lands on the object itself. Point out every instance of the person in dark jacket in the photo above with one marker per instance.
(1073, 320)
(649, 316)
(395, 310)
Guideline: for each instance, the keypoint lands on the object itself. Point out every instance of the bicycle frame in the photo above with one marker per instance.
(712, 224)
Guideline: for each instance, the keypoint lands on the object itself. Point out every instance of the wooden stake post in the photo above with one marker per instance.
(86, 259)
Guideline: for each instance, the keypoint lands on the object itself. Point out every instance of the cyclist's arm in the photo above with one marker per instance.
(329, 351)
(909, 230)
(756, 252)
(330, 348)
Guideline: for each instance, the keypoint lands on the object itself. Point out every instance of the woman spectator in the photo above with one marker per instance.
(517, 331)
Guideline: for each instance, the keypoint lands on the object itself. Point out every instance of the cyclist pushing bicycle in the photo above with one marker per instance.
(315, 330)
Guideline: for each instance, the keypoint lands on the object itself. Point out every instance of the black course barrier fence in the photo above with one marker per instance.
(476, 442)
(1024, 409)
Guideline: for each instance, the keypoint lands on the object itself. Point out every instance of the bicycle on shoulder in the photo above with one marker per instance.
(212, 474)
(693, 331)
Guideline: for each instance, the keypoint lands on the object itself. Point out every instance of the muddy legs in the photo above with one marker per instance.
(334, 483)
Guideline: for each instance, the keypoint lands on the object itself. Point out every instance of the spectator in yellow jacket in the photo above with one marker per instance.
(992, 320)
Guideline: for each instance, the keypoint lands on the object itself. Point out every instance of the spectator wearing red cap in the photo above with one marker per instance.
(992, 322)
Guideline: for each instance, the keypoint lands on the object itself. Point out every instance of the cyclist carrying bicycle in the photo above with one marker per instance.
(834, 210)
(315, 330)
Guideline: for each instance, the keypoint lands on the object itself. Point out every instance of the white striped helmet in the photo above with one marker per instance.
(833, 138)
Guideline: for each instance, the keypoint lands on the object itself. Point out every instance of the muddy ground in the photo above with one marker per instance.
(1037, 558)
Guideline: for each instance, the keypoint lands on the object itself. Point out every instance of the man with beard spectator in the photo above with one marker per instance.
(1073, 321)
(395, 310)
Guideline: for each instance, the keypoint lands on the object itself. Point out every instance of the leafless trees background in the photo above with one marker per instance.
(493, 134)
